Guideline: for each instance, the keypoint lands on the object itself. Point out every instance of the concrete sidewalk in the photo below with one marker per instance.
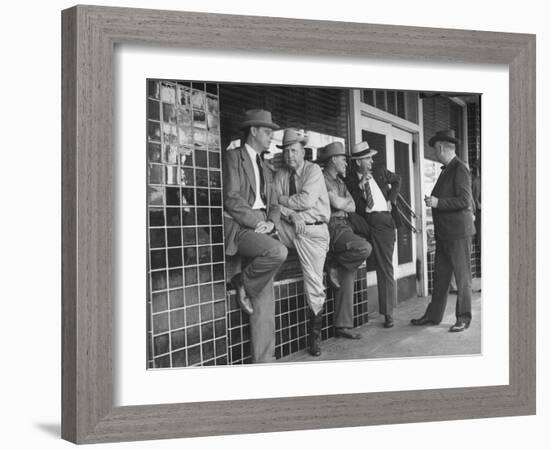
(404, 340)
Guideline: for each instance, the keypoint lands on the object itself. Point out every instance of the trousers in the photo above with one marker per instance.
(312, 248)
(382, 233)
(452, 256)
(347, 253)
(263, 257)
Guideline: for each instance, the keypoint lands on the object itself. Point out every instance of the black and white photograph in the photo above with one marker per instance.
(294, 224)
(259, 225)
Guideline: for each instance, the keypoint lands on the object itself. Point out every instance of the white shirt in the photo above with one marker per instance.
(380, 203)
(258, 203)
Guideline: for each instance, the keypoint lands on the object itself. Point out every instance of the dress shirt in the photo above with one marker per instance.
(258, 203)
(311, 201)
(380, 203)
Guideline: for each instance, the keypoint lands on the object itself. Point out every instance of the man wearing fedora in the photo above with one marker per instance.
(451, 203)
(347, 250)
(300, 193)
(375, 193)
(249, 224)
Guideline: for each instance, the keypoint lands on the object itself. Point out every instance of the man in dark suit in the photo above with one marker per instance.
(451, 203)
(375, 193)
(249, 224)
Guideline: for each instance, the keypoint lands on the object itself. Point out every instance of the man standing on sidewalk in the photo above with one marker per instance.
(249, 224)
(451, 203)
(375, 193)
(300, 193)
(347, 250)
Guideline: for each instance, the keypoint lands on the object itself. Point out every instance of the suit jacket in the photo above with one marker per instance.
(388, 182)
(453, 217)
(239, 192)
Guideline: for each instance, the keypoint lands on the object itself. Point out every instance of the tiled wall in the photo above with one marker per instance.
(186, 262)
(291, 318)
(474, 154)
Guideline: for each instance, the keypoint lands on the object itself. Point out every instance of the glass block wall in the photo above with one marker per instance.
(186, 262)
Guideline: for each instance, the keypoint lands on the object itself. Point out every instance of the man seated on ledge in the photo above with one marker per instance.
(249, 223)
(300, 193)
(347, 250)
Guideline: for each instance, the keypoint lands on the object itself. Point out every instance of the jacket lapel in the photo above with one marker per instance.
(248, 169)
(379, 178)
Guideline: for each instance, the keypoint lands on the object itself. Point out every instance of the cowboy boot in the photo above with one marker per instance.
(315, 325)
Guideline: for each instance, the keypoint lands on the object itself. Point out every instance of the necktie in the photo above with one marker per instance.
(262, 181)
(292, 184)
(368, 195)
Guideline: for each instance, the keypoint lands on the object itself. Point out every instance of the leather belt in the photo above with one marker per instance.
(316, 223)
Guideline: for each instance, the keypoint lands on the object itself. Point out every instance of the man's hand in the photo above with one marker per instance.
(283, 200)
(299, 223)
(264, 227)
(431, 202)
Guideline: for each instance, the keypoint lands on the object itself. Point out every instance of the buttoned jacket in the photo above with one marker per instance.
(239, 192)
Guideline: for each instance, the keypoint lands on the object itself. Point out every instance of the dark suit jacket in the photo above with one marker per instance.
(453, 217)
(239, 191)
(388, 182)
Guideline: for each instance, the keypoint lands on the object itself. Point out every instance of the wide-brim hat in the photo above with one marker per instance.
(291, 136)
(329, 150)
(362, 150)
(258, 118)
(443, 136)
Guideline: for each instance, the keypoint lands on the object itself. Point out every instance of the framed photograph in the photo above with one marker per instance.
(148, 281)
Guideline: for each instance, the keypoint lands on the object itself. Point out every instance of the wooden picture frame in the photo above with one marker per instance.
(90, 34)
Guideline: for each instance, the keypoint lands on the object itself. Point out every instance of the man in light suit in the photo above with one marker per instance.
(375, 193)
(451, 202)
(249, 225)
(300, 194)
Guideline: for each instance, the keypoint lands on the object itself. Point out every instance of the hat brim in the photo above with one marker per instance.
(302, 141)
(435, 139)
(325, 158)
(365, 154)
(258, 123)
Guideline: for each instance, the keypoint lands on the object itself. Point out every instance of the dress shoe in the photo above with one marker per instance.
(388, 322)
(333, 279)
(346, 333)
(460, 325)
(422, 321)
(242, 297)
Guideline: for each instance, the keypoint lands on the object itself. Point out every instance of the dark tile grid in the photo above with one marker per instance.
(186, 299)
(474, 154)
(291, 318)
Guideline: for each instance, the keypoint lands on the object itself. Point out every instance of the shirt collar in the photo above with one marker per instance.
(299, 172)
(251, 152)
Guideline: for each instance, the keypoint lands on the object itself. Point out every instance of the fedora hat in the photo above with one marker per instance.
(332, 149)
(362, 150)
(258, 118)
(291, 136)
(444, 135)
